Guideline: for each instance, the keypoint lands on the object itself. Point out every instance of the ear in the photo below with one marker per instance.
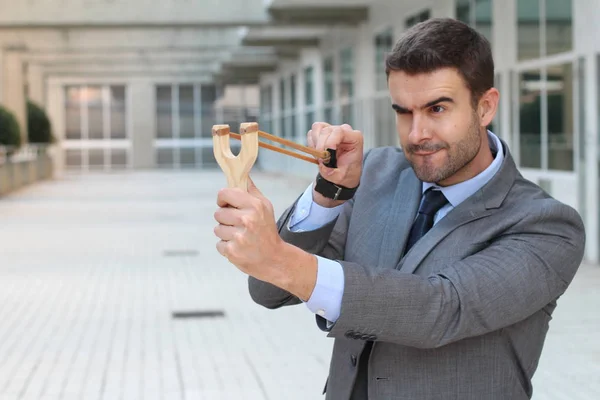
(488, 106)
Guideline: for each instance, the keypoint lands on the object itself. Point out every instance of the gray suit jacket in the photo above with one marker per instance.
(464, 314)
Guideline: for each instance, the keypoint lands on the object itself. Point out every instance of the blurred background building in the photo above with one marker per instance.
(134, 84)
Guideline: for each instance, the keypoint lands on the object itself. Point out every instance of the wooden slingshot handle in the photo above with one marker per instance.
(236, 168)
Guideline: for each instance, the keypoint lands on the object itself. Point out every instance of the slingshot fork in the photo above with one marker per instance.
(236, 168)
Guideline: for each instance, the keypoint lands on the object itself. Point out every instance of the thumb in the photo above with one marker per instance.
(252, 189)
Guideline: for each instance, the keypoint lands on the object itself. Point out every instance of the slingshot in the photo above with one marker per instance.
(237, 168)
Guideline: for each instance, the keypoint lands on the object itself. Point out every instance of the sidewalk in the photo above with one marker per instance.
(94, 267)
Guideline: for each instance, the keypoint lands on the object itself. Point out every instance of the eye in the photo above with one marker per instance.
(437, 109)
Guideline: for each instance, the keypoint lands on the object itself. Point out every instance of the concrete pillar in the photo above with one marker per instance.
(586, 31)
(55, 107)
(13, 88)
(141, 115)
(35, 81)
(590, 171)
(504, 48)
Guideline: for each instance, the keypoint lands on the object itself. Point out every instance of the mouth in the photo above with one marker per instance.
(425, 153)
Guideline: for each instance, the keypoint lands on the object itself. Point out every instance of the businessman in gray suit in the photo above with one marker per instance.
(435, 266)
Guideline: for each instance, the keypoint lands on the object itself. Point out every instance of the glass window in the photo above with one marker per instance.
(118, 129)
(557, 20)
(530, 117)
(308, 86)
(73, 157)
(292, 126)
(528, 31)
(164, 108)
(346, 116)
(293, 91)
(346, 74)
(165, 157)
(559, 26)
(187, 157)
(208, 96)
(309, 119)
(385, 123)
(266, 99)
(95, 121)
(420, 17)
(186, 111)
(73, 114)
(384, 43)
(328, 115)
(282, 95)
(494, 126)
(328, 78)
(282, 127)
(560, 117)
(346, 85)
(483, 18)
(96, 158)
(463, 11)
(118, 158)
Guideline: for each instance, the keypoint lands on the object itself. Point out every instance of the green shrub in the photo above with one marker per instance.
(38, 125)
(10, 132)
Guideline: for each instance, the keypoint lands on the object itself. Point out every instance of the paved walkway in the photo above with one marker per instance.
(92, 269)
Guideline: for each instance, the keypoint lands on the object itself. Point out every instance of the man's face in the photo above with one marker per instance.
(439, 130)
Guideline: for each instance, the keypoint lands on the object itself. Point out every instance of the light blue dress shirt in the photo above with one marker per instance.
(326, 298)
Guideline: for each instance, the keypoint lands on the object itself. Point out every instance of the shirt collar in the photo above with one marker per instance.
(458, 193)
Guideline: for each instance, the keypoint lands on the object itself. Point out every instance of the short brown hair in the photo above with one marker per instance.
(445, 43)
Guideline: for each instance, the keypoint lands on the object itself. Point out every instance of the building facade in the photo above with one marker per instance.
(128, 83)
(547, 59)
(139, 84)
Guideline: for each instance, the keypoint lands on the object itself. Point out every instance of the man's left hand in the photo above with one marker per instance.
(248, 231)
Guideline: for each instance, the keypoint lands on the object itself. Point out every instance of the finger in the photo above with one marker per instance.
(315, 132)
(322, 139)
(225, 232)
(350, 135)
(334, 138)
(229, 216)
(234, 197)
(222, 248)
(253, 190)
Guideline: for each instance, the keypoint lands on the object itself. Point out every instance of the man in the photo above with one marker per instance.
(437, 267)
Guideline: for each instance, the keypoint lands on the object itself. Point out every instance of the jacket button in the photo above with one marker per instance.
(372, 338)
(353, 359)
(365, 337)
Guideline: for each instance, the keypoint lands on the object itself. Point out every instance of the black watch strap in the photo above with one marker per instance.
(333, 191)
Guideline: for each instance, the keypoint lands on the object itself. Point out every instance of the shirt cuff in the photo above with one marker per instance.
(308, 215)
(326, 298)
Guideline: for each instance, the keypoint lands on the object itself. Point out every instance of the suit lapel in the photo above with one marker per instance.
(466, 212)
(404, 206)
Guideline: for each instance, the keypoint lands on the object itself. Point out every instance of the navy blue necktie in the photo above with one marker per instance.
(433, 201)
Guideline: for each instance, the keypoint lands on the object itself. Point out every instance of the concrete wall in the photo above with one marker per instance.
(14, 176)
(86, 12)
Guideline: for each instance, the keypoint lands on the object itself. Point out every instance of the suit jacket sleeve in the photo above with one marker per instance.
(517, 275)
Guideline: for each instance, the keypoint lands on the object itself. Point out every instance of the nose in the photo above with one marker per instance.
(419, 129)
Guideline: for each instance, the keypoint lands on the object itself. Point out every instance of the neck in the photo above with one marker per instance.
(477, 165)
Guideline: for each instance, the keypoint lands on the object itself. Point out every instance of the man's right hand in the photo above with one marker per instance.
(348, 144)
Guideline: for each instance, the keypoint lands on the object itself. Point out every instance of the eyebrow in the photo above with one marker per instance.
(443, 99)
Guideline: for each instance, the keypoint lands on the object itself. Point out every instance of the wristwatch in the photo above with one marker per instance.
(333, 191)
